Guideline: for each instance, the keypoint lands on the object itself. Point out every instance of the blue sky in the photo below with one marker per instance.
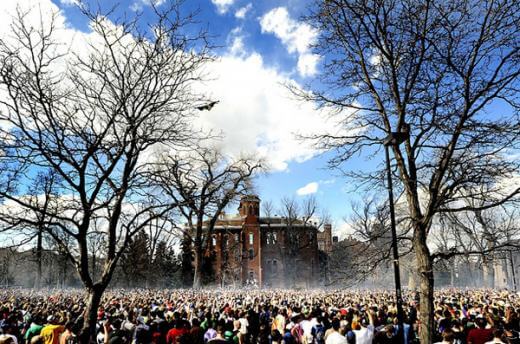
(261, 46)
(272, 31)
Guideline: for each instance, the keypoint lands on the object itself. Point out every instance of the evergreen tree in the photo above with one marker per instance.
(135, 261)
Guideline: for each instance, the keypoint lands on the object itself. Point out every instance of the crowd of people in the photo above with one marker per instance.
(256, 317)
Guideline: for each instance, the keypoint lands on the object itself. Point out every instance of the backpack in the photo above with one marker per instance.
(297, 333)
(318, 332)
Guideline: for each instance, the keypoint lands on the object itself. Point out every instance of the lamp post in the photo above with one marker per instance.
(395, 139)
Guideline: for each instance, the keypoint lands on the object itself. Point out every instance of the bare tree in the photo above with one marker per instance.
(485, 234)
(204, 183)
(366, 252)
(92, 119)
(433, 71)
(302, 220)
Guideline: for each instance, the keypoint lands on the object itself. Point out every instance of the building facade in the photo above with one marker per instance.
(248, 249)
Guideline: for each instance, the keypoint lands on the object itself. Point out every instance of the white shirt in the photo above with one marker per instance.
(243, 325)
(365, 335)
(307, 326)
(336, 338)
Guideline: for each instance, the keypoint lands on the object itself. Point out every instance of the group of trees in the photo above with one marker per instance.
(442, 74)
(90, 139)
(105, 131)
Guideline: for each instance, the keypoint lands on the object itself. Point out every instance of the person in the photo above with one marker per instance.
(176, 332)
(51, 332)
(318, 331)
(386, 336)
(448, 336)
(365, 335)
(67, 337)
(244, 323)
(498, 335)
(34, 329)
(481, 334)
(210, 332)
(196, 332)
(334, 337)
(219, 338)
(8, 336)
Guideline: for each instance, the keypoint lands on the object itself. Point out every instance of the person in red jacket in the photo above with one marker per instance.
(176, 332)
(481, 334)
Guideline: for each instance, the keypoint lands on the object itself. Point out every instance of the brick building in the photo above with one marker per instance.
(267, 251)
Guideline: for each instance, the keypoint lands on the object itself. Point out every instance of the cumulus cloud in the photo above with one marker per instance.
(242, 12)
(296, 36)
(308, 189)
(222, 5)
(256, 113)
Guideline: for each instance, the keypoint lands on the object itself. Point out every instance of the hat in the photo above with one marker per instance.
(228, 334)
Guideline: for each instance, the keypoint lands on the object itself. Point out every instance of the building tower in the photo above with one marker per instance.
(249, 210)
(249, 205)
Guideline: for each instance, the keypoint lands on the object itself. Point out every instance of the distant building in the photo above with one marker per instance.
(266, 251)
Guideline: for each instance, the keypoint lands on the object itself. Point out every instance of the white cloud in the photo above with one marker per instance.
(69, 2)
(242, 12)
(307, 64)
(140, 4)
(343, 230)
(308, 189)
(222, 5)
(236, 42)
(296, 36)
(256, 113)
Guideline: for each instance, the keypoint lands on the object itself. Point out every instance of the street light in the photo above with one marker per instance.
(395, 139)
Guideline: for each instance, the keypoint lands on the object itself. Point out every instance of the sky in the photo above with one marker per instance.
(261, 45)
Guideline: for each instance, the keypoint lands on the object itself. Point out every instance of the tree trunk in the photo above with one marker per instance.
(88, 331)
(425, 273)
(39, 259)
(197, 269)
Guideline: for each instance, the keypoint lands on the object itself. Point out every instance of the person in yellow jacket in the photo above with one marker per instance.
(51, 332)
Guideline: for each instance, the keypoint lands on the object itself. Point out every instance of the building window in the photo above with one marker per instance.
(226, 241)
(237, 238)
(275, 266)
(251, 238)
(251, 275)
(321, 246)
(271, 238)
(251, 253)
